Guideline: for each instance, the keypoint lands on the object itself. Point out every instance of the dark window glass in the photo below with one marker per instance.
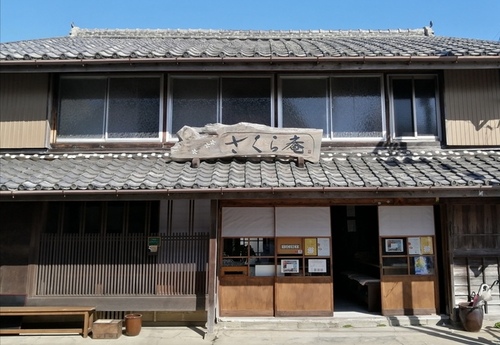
(194, 102)
(109, 108)
(82, 108)
(415, 107)
(403, 107)
(425, 106)
(304, 103)
(93, 217)
(134, 108)
(72, 217)
(137, 217)
(52, 225)
(356, 107)
(246, 100)
(114, 219)
(154, 218)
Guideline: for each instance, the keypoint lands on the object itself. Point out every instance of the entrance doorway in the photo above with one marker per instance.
(355, 256)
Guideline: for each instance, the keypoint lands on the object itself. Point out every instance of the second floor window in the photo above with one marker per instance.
(414, 107)
(109, 108)
(229, 100)
(344, 107)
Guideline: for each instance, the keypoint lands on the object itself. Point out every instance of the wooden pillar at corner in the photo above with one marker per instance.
(212, 267)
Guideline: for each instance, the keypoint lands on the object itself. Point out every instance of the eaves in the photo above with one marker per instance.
(253, 63)
(275, 193)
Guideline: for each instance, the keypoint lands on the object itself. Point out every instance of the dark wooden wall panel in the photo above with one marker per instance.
(474, 237)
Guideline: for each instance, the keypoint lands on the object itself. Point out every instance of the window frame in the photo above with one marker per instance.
(106, 139)
(172, 137)
(329, 107)
(415, 137)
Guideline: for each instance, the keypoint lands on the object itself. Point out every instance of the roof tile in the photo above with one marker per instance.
(151, 44)
(135, 171)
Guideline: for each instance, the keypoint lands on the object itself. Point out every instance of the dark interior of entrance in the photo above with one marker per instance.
(356, 269)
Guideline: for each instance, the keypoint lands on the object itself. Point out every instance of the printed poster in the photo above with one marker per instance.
(323, 247)
(310, 246)
(423, 265)
(426, 245)
(290, 266)
(317, 266)
(394, 245)
(414, 246)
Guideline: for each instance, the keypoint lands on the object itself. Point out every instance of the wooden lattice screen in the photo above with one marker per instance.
(120, 265)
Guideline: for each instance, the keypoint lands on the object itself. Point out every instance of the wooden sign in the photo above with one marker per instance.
(289, 245)
(247, 140)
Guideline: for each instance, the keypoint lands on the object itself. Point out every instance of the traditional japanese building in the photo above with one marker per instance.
(198, 174)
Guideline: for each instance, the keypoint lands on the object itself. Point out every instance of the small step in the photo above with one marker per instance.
(315, 323)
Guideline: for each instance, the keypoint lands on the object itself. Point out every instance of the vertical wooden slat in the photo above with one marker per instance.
(24, 110)
(472, 107)
(114, 265)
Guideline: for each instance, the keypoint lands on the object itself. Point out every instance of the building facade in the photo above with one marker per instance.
(109, 199)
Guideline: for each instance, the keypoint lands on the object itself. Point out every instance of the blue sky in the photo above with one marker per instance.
(31, 19)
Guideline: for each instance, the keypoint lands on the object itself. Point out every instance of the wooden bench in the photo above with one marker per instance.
(86, 312)
(368, 289)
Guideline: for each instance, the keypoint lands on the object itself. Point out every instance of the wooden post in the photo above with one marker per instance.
(212, 267)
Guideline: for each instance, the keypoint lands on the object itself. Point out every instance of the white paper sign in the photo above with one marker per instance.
(323, 247)
(317, 266)
(414, 245)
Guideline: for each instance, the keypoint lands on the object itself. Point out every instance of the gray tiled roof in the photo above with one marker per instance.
(156, 171)
(155, 44)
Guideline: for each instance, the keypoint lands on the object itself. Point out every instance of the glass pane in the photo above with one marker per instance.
(304, 104)
(137, 217)
(261, 261)
(72, 214)
(246, 100)
(403, 119)
(425, 106)
(262, 267)
(356, 107)
(134, 108)
(93, 217)
(261, 246)
(194, 103)
(395, 266)
(235, 247)
(81, 108)
(114, 223)
(235, 252)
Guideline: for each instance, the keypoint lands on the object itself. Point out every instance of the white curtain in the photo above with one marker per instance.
(406, 220)
(248, 222)
(302, 221)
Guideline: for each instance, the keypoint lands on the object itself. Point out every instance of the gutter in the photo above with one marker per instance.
(270, 59)
(481, 191)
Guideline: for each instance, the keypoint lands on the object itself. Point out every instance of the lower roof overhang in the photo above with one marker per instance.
(270, 63)
(324, 194)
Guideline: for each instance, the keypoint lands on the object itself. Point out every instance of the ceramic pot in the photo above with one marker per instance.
(133, 324)
(471, 317)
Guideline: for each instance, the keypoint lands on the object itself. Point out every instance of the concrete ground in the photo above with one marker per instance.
(430, 331)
